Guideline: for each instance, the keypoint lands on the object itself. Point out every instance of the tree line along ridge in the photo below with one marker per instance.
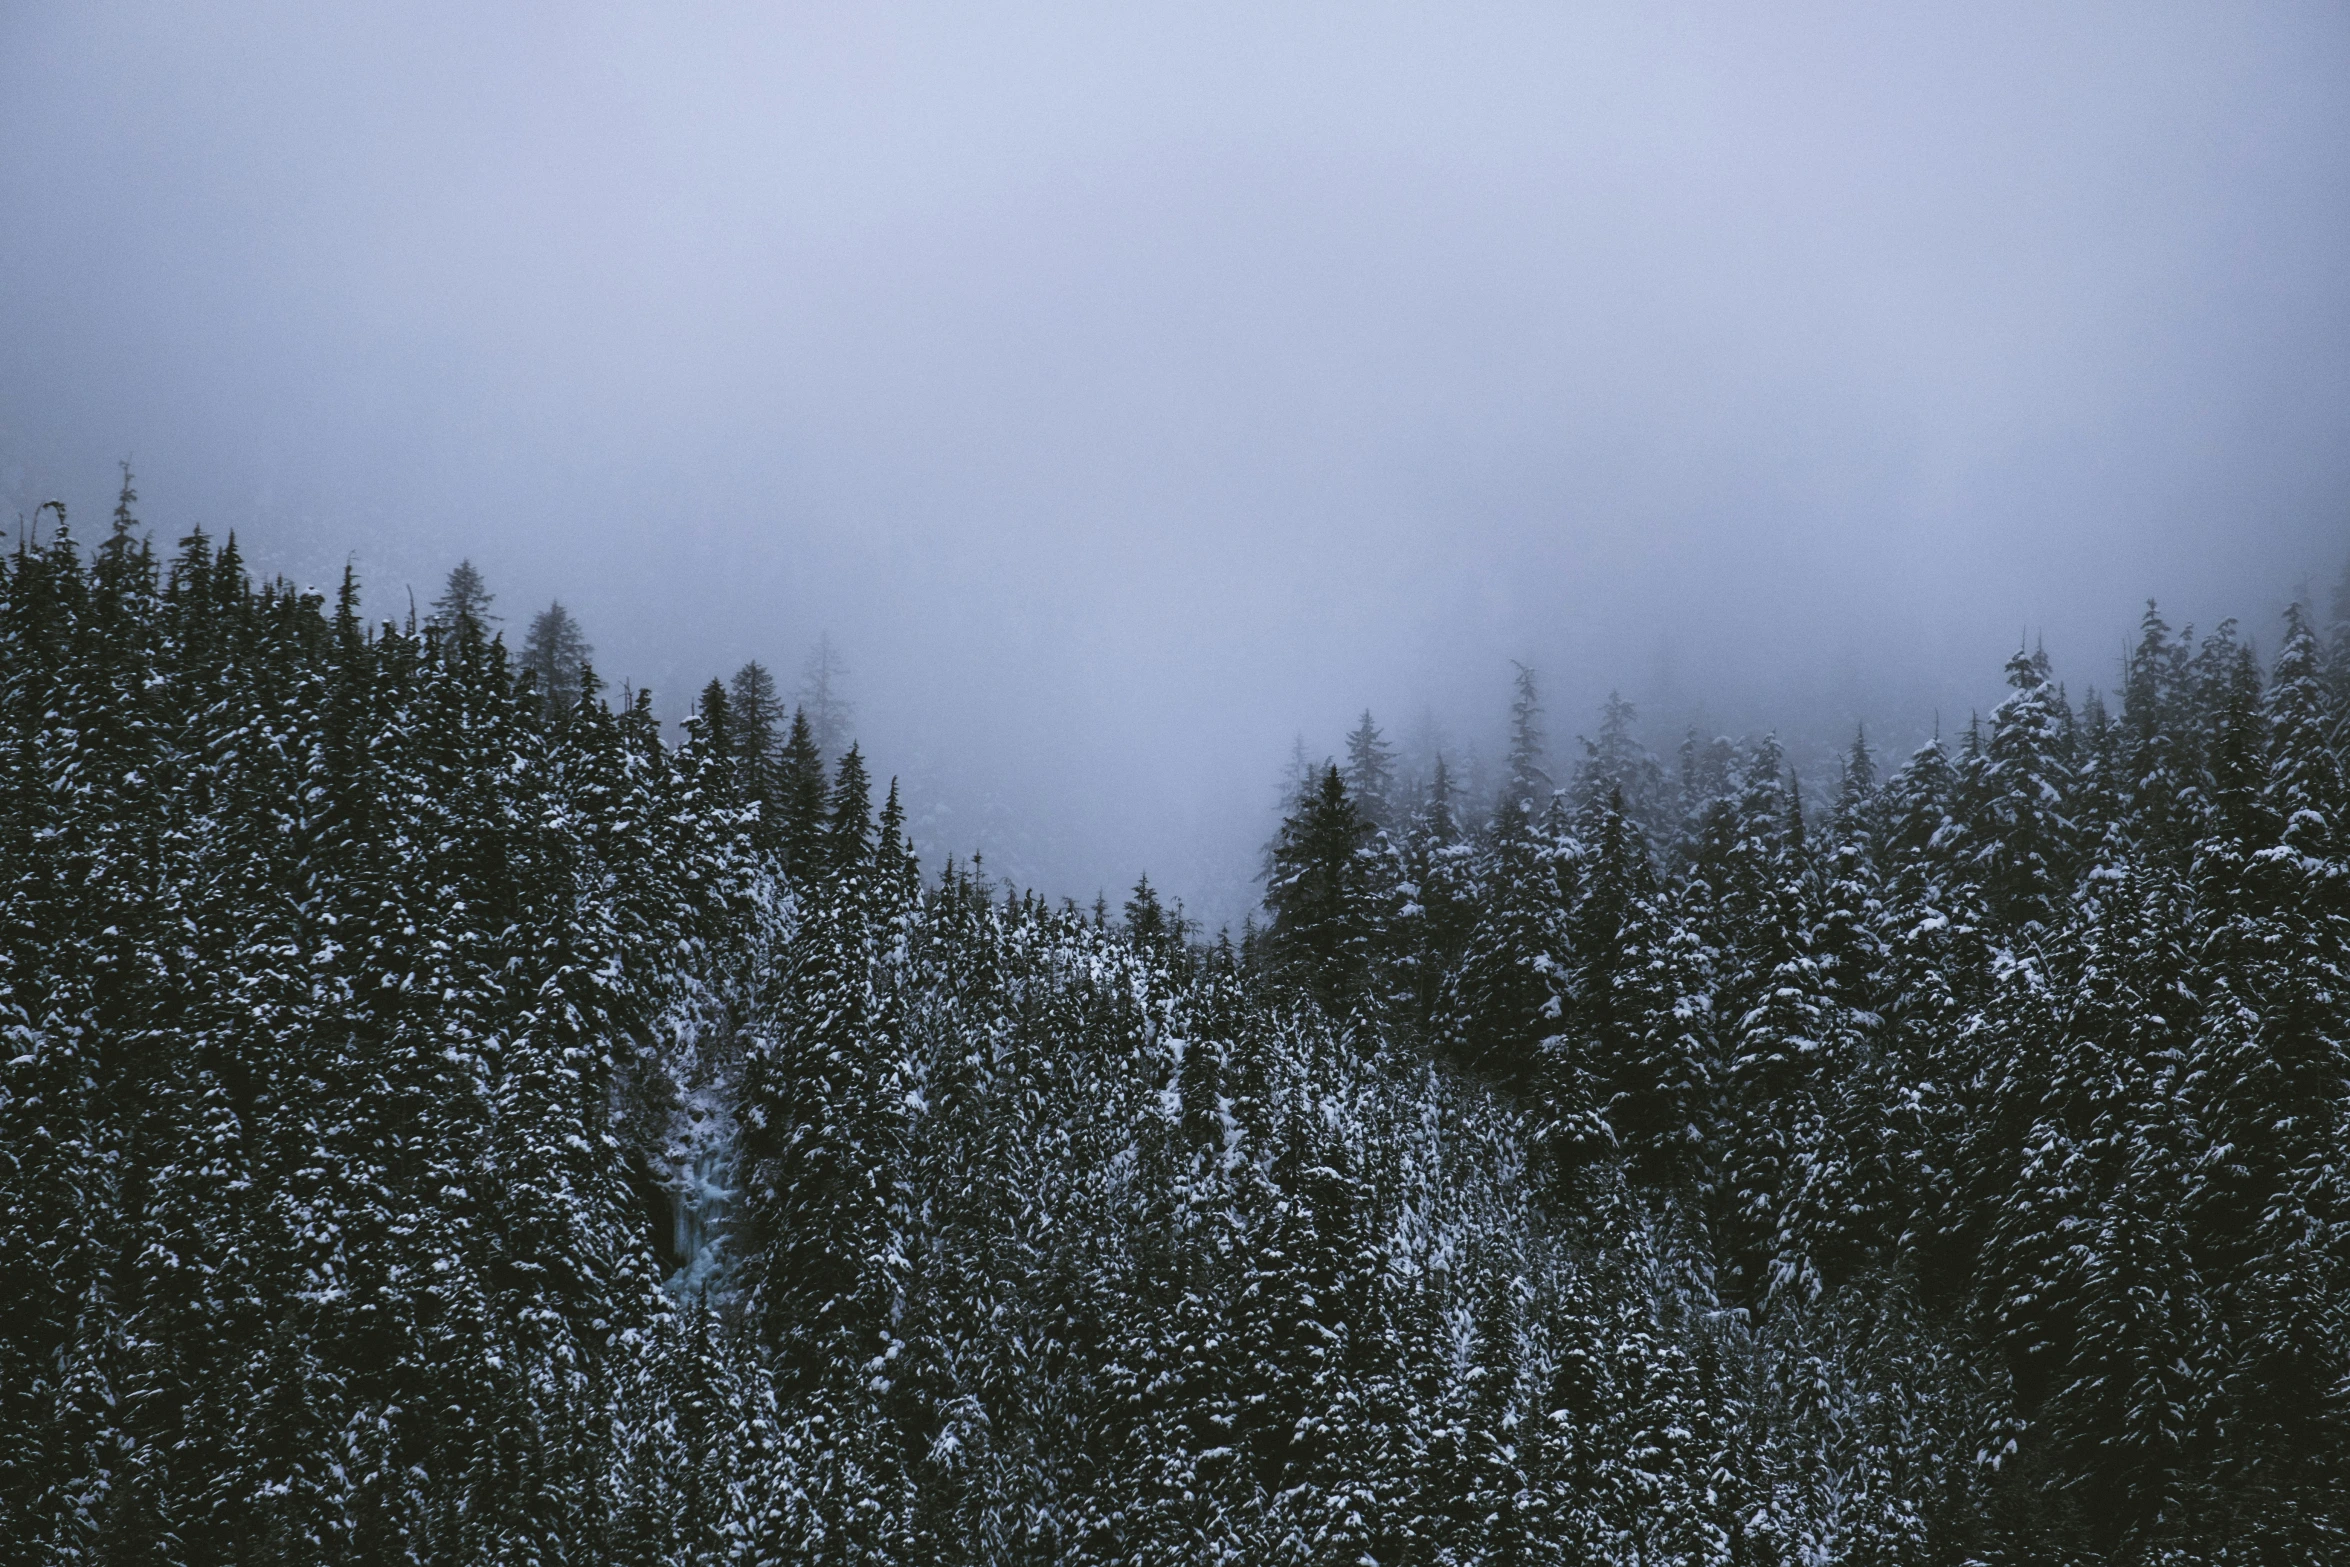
(441, 1121)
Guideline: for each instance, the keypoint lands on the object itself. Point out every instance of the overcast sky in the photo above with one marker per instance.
(1130, 389)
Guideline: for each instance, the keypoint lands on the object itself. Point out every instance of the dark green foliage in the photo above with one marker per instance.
(2033, 1043)
(1146, 920)
(758, 718)
(848, 827)
(801, 796)
(1320, 891)
(318, 1063)
(442, 1125)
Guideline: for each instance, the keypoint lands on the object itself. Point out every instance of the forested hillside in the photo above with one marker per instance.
(440, 1121)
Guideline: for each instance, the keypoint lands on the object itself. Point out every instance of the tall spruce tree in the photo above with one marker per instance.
(463, 608)
(1527, 788)
(555, 657)
(2021, 819)
(803, 797)
(1322, 934)
(1370, 773)
(759, 724)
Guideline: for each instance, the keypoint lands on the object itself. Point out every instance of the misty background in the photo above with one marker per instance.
(1130, 392)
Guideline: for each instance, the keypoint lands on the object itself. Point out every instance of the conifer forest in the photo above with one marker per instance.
(444, 1119)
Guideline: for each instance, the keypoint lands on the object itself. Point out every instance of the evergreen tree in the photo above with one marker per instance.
(1528, 787)
(463, 609)
(848, 828)
(1627, 1055)
(555, 657)
(1616, 764)
(1321, 935)
(1705, 775)
(2158, 766)
(816, 1109)
(2021, 810)
(1856, 787)
(1370, 773)
(758, 718)
(1431, 928)
(822, 696)
(803, 796)
(1146, 921)
(2304, 787)
(1500, 1000)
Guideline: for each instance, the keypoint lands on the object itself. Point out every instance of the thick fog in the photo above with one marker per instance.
(1131, 391)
